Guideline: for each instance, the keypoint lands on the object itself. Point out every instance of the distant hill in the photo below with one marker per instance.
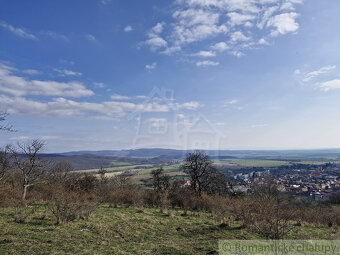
(178, 154)
(156, 156)
(138, 153)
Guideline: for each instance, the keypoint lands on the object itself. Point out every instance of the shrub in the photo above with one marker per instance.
(125, 197)
(67, 206)
(22, 212)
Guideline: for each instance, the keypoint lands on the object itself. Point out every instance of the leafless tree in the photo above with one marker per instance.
(60, 171)
(200, 169)
(160, 180)
(102, 172)
(121, 181)
(4, 162)
(27, 160)
(4, 126)
(217, 183)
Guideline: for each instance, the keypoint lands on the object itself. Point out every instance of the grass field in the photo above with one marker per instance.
(144, 170)
(116, 169)
(252, 162)
(128, 231)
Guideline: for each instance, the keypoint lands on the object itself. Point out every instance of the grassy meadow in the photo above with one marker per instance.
(129, 231)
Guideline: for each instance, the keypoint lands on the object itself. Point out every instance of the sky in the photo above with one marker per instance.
(182, 74)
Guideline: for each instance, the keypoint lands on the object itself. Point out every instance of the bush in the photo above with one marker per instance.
(125, 197)
(22, 212)
(68, 206)
(9, 195)
(264, 213)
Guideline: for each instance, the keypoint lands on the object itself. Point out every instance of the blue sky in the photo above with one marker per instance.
(214, 74)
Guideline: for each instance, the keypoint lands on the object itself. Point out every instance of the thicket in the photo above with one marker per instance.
(69, 196)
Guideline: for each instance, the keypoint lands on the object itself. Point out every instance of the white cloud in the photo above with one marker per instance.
(21, 32)
(324, 78)
(65, 72)
(297, 72)
(221, 46)
(263, 41)
(205, 54)
(99, 84)
(155, 41)
(232, 101)
(141, 97)
(314, 74)
(119, 97)
(207, 63)
(181, 116)
(128, 29)
(239, 19)
(31, 72)
(151, 66)
(19, 86)
(329, 85)
(240, 24)
(194, 25)
(102, 110)
(91, 38)
(55, 35)
(171, 50)
(283, 23)
(239, 36)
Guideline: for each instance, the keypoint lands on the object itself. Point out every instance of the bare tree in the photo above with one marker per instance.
(217, 183)
(102, 172)
(200, 169)
(27, 160)
(121, 181)
(160, 180)
(4, 162)
(4, 126)
(60, 171)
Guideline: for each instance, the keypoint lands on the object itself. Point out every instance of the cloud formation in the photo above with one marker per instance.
(103, 110)
(207, 63)
(314, 74)
(16, 98)
(242, 24)
(18, 86)
(65, 72)
(151, 66)
(20, 32)
(91, 38)
(324, 78)
(128, 29)
(330, 85)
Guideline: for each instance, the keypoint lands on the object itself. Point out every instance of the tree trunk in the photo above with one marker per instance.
(24, 192)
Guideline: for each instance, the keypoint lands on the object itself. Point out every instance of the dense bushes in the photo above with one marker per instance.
(71, 196)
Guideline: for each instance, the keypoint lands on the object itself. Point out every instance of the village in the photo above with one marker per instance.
(315, 181)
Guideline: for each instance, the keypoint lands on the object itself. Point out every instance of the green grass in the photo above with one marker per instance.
(128, 231)
(252, 162)
(147, 168)
(167, 169)
(116, 169)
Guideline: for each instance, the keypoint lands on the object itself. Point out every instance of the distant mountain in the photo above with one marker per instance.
(157, 156)
(178, 154)
(137, 153)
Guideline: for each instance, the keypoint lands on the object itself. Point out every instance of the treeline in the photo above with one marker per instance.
(28, 182)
